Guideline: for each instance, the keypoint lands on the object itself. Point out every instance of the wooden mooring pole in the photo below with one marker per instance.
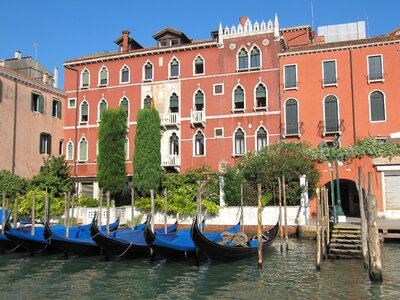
(15, 212)
(241, 207)
(280, 213)
(3, 211)
(364, 227)
(198, 198)
(165, 211)
(152, 210)
(318, 206)
(374, 247)
(322, 222)
(72, 210)
(108, 213)
(33, 215)
(132, 208)
(285, 211)
(259, 225)
(327, 223)
(100, 207)
(67, 215)
(46, 207)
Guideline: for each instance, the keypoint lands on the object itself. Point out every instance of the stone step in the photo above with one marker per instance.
(347, 227)
(345, 246)
(343, 256)
(346, 231)
(345, 251)
(346, 236)
(345, 241)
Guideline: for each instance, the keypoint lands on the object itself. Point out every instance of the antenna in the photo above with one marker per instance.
(36, 46)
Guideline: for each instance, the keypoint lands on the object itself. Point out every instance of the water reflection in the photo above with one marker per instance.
(284, 275)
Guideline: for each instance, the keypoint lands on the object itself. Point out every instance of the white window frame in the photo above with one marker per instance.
(384, 104)
(99, 79)
(383, 74)
(67, 157)
(79, 150)
(194, 144)
(284, 78)
(233, 99)
(223, 89)
(127, 148)
(215, 133)
(81, 79)
(69, 104)
(298, 117)
(266, 96)
(251, 49)
(255, 137)
(120, 75)
(80, 112)
(234, 142)
(144, 72)
(237, 60)
(323, 110)
(323, 73)
(169, 68)
(98, 109)
(194, 65)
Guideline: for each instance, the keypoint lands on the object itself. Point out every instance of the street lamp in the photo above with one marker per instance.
(339, 210)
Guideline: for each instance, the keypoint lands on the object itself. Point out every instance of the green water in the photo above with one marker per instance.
(289, 275)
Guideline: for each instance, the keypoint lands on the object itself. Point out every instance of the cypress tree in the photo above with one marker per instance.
(147, 172)
(111, 173)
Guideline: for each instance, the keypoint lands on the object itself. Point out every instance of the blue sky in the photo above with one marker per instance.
(66, 29)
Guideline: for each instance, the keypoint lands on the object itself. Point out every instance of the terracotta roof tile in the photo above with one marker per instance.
(137, 51)
(321, 46)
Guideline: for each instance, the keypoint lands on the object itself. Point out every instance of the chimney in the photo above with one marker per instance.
(125, 39)
(55, 78)
(243, 20)
(17, 54)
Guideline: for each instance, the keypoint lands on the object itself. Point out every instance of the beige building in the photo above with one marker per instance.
(31, 126)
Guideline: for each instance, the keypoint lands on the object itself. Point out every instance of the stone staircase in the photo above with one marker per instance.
(345, 242)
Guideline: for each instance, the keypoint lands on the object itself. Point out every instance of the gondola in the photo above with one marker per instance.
(229, 252)
(79, 240)
(123, 242)
(179, 245)
(22, 237)
(5, 243)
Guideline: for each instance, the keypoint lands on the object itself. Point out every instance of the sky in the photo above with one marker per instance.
(67, 29)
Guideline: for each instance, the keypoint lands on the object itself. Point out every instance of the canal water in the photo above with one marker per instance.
(289, 275)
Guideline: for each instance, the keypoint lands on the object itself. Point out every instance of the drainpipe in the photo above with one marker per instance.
(75, 127)
(14, 126)
(352, 97)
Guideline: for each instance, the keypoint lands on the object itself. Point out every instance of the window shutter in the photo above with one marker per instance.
(375, 67)
(70, 149)
(239, 95)
(329, 72)
(377, 107)
(290, 76)
(260, 92)
(1, 91)
(41, 104)
(331, 114)
(85, 78)
(48, 144)
(125, 105)
(199, 98)
(33, 104)
(291, 117)
(82, 150)
(59, 109)
(174, 101)
(84, 109)
(147, 102)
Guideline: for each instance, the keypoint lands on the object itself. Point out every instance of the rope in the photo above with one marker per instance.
(130, 244)
(238, 239)
(13, 249)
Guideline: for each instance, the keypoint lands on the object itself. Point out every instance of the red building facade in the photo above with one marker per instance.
(349, 90)
(218, 99)
(248, 86)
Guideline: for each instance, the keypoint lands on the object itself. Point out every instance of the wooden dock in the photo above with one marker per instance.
(389, 229)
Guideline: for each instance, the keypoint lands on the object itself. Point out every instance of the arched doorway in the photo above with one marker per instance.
(348, 196)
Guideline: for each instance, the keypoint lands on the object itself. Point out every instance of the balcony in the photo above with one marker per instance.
(171, 161)
(331, 127)
(170, 119)
(294, 129)
(198, 117)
